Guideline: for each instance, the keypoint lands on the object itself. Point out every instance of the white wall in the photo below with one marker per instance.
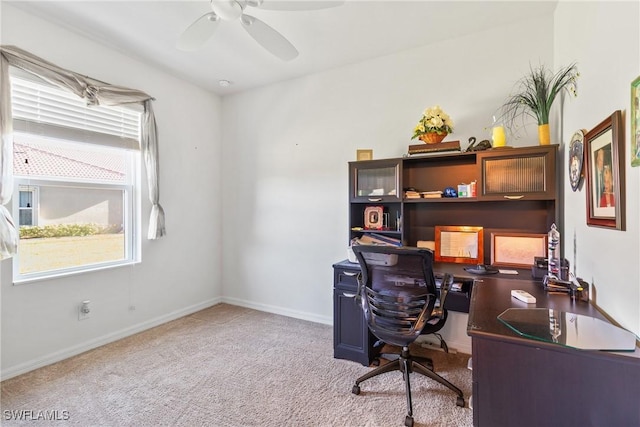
(286, 148)
(284, 151)
(602, 37)
(179, 273)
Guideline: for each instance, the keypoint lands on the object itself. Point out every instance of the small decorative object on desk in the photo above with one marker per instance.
(434, 126)
(553, 256)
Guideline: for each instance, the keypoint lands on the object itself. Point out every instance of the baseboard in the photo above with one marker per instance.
(461, 347)
(455, 346)
(303, 315)
(105, 339)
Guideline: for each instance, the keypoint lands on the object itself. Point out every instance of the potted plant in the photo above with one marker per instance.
(434, 125)
(534, 94)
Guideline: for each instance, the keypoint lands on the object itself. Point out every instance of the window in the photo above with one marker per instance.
(26, 205)
(76, 181)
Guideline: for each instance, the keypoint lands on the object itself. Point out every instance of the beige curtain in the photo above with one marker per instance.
(94, 92)
(8, 232)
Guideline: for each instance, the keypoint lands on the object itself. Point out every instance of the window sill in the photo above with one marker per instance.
(58, 275)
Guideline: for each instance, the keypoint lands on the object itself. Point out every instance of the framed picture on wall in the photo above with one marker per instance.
(635, 122)
(576, 159)
(604, 154)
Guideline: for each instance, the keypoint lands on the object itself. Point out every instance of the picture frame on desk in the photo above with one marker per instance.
(517, 249)
(604, 173)
(374, 217)
(459, 244)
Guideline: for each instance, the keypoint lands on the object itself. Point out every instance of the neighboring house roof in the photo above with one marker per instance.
(33, 158)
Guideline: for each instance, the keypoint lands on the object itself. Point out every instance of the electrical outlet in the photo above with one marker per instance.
(84, 311)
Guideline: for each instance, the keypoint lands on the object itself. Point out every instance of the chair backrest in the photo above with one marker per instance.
(397, 290)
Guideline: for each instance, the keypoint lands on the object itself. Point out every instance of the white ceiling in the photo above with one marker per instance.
(355, 31)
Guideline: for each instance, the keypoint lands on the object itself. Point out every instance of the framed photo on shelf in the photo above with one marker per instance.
(364, 155)
(635, 122)
(373, 218)
(459, 244)
(517, 249)
(604, 167)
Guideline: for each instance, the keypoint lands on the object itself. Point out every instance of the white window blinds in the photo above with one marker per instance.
(42, 109)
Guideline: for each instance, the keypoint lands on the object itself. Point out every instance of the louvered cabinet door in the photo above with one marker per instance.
(518, 174)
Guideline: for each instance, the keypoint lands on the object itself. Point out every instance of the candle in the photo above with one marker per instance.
(498, 136)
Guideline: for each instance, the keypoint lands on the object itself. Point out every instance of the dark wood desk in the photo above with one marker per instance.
(522, 382)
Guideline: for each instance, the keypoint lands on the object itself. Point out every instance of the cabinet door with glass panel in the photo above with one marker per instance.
(375, 181)
(526, 173)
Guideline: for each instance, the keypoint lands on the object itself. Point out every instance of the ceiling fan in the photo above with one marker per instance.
(203, 28)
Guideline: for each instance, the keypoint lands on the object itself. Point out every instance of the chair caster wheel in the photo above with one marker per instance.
(355, 389)
(460, 401)
(408, 421)
(375, 362)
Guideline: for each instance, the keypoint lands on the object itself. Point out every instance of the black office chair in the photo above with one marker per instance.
(398, 294)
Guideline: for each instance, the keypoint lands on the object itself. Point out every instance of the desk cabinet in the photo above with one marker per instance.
(351, 337)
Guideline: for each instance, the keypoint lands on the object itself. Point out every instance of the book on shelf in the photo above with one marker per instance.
(434, 148)
(431, 194)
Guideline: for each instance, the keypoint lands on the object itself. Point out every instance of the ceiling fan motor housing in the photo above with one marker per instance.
(228, 10)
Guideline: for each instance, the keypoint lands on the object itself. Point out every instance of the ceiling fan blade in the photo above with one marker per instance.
(294, 5)
(199, 32)
(269, 38)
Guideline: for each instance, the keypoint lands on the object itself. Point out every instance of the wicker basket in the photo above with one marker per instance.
(432, 138)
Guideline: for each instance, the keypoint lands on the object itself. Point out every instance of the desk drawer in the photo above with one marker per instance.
(346, 277)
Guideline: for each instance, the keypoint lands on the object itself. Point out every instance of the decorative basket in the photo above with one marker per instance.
(432, 138)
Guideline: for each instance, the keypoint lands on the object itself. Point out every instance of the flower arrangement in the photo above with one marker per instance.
(434, 120)
(535, 93)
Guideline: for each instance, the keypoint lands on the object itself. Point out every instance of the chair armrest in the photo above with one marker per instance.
(447, 281)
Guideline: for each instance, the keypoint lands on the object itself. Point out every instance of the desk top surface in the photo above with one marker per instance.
(491, 296)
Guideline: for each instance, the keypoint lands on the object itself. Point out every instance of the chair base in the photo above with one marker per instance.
(406, 364)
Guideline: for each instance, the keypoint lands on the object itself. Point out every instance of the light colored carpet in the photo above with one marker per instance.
(231, 366)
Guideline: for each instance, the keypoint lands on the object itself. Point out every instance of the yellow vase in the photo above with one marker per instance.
(544, 136)
(498, 136)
